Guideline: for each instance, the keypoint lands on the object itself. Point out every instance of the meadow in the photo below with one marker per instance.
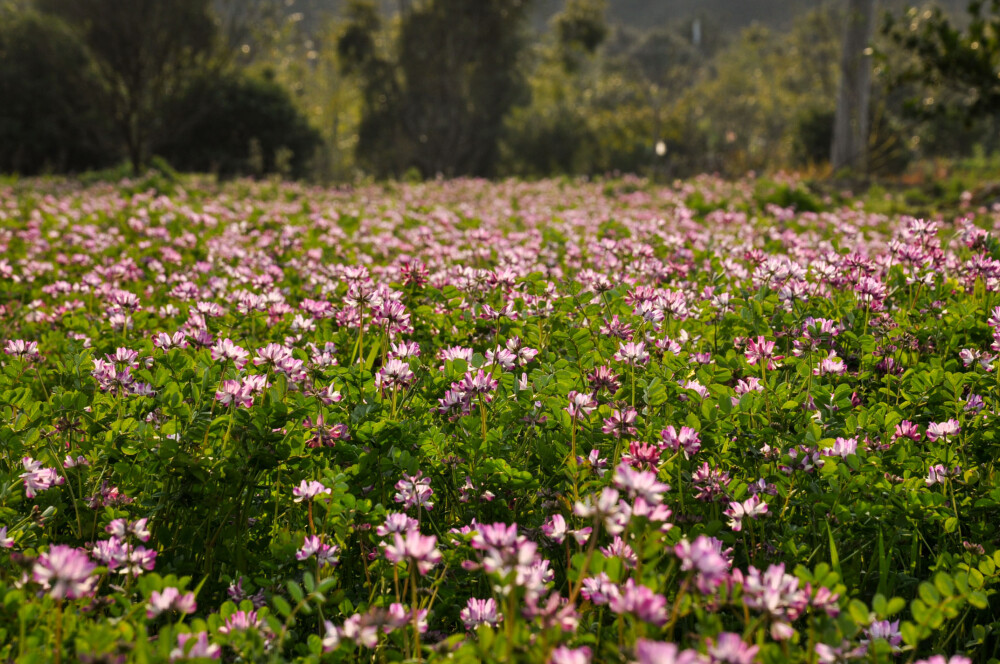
(554, 422)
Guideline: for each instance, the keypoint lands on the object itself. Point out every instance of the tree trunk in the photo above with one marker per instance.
(851, 122)
(134, 145)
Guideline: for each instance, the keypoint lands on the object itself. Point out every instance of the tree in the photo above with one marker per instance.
(958, 69)
(45, 121)
(145, 52)
(851, 120)
(242, 126)
(438, 101)
(381, 146)
(581, 27)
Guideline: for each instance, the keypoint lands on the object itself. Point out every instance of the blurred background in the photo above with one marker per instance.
(336, 90)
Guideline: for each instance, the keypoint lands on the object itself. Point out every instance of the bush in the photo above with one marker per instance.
(46, 123)
(237, 125)
(813, 136)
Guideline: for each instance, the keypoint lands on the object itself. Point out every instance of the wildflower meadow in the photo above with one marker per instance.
(557, 422)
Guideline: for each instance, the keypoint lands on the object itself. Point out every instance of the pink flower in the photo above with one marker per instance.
(566, 655)
(752, 507)
(226, 350)
(659, 652)
(233, 393)
(943, 430)
(65, 572)
(641, 602)
(619, 549)
(241, 621)
(479, 383)
(606, 507)
(27, 350)
(121, 556)
(775, 593)
(603, 378)
(70, 462)
(165, 341)
(842, 447)
(272, 355)
(640, 483)
(480, 612)
(396, 522)
(941, 659)
(830, 365)
(730, 649)
(171, 599)
(598, 590)
(937, 474)
(395, 373)
(36, 478)
(642, 455)
(414, 490)
(761, 350)
(907, 429)
(194, 646)
(326, 554)
(871, 291)
(883, 629)
(621, 423)
(704, 557)
(418, 548)
(331, 637)
(556, 530)
(581, 404)
(632, 353)
(686, 439)
(123, 528)
(307, 490)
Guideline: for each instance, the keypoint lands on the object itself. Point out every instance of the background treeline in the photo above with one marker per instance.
(334, 89)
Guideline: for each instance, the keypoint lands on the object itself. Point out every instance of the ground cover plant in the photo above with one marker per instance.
(558, 422)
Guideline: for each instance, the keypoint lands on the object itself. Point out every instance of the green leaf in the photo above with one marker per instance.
(910, 633)
(928, 593)
(944, 584)
(858, 612)
(834, 557)
(896, 604)
(978, 599)
(880, 605)
(281, 605)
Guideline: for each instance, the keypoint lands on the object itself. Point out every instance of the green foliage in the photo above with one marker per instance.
(47, 121)
(959, 62)
(758, 103)
(437, 101)
(234, 125)
(581, 26)
(844, 465)
(144, 51)
(744, 115)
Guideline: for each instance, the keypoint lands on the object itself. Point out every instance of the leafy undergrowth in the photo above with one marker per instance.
(552, 422)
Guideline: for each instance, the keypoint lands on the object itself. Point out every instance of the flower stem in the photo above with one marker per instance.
(414, 610)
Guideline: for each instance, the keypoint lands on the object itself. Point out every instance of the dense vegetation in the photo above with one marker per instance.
(554, 422)
(530, 88)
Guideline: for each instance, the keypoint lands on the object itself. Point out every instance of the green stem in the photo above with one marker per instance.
(572, 460)
(59, 635)
(414, 609)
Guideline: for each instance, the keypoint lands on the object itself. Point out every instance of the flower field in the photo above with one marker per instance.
(557, 422)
